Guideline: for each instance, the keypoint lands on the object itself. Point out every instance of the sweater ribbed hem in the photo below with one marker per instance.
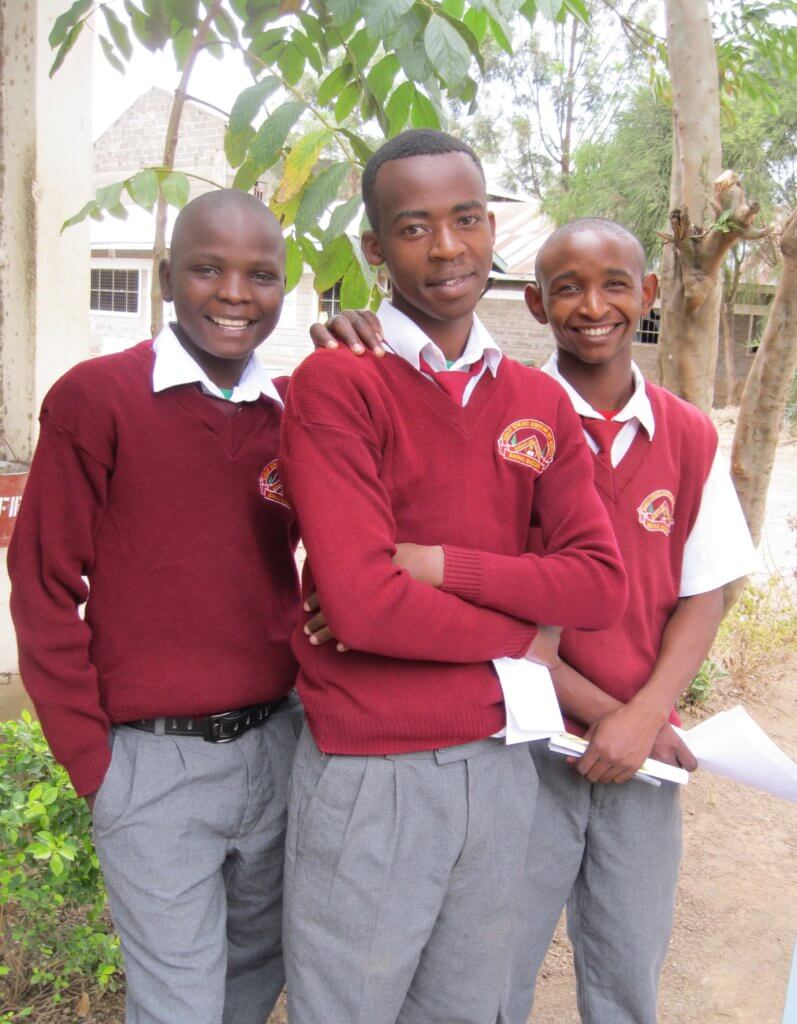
(375, 735)
(88, 771)
(462, 574)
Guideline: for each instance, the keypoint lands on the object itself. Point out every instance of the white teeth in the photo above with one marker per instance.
(236, 324)
(596, 332)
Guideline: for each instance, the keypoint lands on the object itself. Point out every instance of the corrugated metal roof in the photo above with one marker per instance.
(520, 230)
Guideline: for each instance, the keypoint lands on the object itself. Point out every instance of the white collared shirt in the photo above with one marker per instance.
(174, 366)
(406, 339)
(719, 548)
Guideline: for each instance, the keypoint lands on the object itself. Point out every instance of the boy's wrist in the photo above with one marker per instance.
(651, 707)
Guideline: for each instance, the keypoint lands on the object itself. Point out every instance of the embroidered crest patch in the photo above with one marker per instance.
(271, 485)
(657, 512)
(529, 442)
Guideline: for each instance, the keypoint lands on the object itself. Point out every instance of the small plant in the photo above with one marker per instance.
(55, 938)
(758, 634)
(702, 686)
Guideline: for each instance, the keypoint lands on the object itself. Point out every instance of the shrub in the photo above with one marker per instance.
(54, 934)
(702, 686)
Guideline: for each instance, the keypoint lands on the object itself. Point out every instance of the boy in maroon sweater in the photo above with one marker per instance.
(611, 846)
(408, 823)
(155, 478)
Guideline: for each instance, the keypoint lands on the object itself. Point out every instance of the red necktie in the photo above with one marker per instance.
(453, 382)
(603, 433)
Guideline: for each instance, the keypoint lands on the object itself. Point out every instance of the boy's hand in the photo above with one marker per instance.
(316, 628)
(424, 562)
(359, 329)
(619, 744)
(670, 748)
(545, 647)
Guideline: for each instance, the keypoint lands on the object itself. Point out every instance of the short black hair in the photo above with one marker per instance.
(414, 142)
(580, 224)
(221, 198)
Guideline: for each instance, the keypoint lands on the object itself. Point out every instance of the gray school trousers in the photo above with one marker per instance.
(611, 853)
(402, 879)
(190, 837)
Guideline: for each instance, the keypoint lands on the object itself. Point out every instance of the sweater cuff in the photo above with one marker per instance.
(462, 573)
(88, 772)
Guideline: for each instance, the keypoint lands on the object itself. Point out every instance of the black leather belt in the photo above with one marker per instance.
(221, 728)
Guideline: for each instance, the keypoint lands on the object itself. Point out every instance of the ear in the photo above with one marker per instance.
(491, 220)
(372, 250)
(165, 278)
(650, 289)
(533, 297)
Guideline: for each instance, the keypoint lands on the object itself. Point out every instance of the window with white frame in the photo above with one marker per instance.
(115, 291)
(329, 303)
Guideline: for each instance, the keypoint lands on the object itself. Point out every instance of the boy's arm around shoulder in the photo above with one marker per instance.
(333, 437)
(51, 549)
(580, 581)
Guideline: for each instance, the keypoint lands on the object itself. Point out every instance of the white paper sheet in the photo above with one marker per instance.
(532, 710)
(731, 744)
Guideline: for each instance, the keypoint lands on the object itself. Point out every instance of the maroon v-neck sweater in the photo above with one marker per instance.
(375, 453)
(653, 497)
(173, 510)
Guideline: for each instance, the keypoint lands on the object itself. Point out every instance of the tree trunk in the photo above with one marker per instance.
(726, 330)
(767, 390)
(690, 297)
(170, 148)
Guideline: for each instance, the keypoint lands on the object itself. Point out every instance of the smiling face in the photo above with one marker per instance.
(226, 279)
(592, 290)
(436, 238)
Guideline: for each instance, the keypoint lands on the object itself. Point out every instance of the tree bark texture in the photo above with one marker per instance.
(169, 150)
(690, 296)
(767, 390)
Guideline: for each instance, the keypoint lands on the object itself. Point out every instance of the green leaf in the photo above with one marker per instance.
(110, 195)
(311, 53)
(64, 22)
(236, 145)
(448, 53)
(90, 208)
(529, 11)
(226, 26)
(476, 20)
(382, 15)
(468, 38)
(407, 29)
(342, 10)
(247, 175)
(143, 188)
(321, 191)
(184, 12)
(334, 84)
(249, 102)
(333, 263)
(362, 47)
(414, 62)
(456, 8)
(300, 161)
(347, 101)
(341, 217)
(39, 851)
(110, 55)
(291, 63)
(294, 264)
(56, 865)
(399, 105)
(380, 77)
(578, 9)
(264, 45)
(549, 8)
(362, 150)
(423, 113)
(181, 46)
(501, 36)
(71, 38)
(175, 189)
(267, 144)
(309, 251)
(118, 32)
(68, 851)
(354, 289)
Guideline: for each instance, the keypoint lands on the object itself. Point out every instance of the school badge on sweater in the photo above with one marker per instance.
(529, 442)
(657, 512)
(271, 485)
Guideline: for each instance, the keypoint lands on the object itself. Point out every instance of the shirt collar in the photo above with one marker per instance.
(406, 339)
(174, 366)
(637, 407)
